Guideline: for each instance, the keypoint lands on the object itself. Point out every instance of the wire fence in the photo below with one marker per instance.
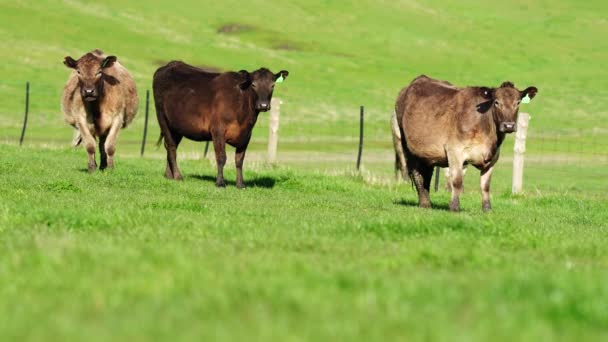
(348, 139)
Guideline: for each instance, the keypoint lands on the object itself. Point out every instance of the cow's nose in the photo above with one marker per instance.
(264, 105)
(88, 91)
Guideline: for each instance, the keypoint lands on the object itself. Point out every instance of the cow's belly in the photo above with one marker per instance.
(99, 125)
(432, 151)
(480, 156)
(238, 136)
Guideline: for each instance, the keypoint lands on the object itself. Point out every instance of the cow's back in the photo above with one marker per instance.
(185, 97)
(428, 112)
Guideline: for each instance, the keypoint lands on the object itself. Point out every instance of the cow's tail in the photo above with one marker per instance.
(160, 140)
(77, 139)
(400, 162)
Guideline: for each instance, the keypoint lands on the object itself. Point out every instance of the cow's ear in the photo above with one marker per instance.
(486, 93)
(70, 62)
(108, 62)
(281, 76)
(529, 92)
(245, 79)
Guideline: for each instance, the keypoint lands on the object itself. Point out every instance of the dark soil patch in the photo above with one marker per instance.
(286, 46)
(234, 28)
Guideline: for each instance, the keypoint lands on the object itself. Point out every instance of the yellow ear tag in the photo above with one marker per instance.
(280, 79)
(526, 99)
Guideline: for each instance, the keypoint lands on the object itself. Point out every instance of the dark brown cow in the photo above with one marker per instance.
(442, 125)
(205, 106)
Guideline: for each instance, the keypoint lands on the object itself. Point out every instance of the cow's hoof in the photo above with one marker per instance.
(486, 207)
(425, 205)
(92, 168)
(240, 186)
(220, 183)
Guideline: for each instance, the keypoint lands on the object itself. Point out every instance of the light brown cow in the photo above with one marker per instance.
(98, 100)
(442, 125)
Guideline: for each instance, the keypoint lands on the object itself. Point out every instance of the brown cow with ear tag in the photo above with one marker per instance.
(203, 106)
(443, 125)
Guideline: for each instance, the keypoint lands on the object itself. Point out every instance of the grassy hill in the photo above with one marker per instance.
(340, 55)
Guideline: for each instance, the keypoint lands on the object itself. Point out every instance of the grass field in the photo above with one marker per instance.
(311, 250)
(296, 256)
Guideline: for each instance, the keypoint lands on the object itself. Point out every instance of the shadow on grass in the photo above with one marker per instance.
(258, 182)
(410, 203)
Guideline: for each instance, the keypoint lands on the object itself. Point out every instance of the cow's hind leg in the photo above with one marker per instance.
(219, 145)
(421, 176)
(172, 141)
(239, 157)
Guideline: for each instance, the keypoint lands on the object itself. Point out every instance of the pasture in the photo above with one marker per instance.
(311, 249)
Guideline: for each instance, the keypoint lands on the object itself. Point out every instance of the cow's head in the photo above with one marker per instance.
(90, 73)
(262, 82)
(504, 102)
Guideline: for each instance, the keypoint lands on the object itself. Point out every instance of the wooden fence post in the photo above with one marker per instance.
(273, 129)
(519, 150)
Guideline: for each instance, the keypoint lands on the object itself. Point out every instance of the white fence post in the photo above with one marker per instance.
(519, 150)
(273, 133)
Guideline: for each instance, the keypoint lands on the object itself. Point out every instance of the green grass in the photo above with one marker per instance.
(128, 255)
(311, 250)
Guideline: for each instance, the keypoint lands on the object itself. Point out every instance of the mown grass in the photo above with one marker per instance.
(128, 255)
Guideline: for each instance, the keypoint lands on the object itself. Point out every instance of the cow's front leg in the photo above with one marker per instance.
(456, 178)
(103, 156)
(110, 141)
(89, 141)
(239, 157)
(485, 179)
(219, 145)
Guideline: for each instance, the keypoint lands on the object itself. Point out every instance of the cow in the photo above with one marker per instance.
(444, 125)
(98, 100)
(204, 106)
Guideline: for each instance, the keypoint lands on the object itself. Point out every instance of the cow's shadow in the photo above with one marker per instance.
(414, 203)
(257, 182)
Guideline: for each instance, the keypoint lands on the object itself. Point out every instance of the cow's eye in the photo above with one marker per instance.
(99, 73)
(518, 102)
(78, 71)
(496, 103)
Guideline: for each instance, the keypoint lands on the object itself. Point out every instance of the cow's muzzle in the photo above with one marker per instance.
(89, 94)
(263, 107)
(508, 127)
